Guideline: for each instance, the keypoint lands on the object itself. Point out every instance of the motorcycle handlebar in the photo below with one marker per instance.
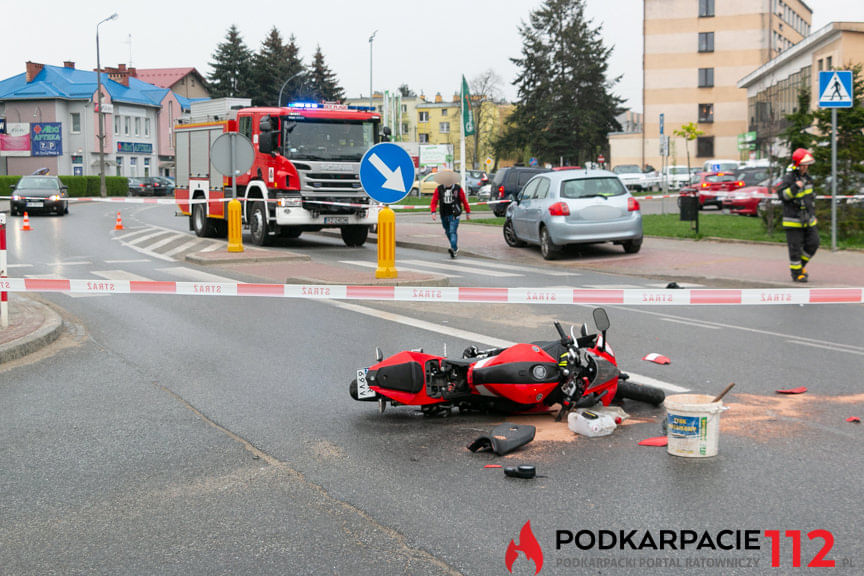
(564, 338)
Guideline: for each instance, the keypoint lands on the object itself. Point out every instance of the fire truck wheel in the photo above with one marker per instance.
(354, 235)
(200, 223)
(258, 225)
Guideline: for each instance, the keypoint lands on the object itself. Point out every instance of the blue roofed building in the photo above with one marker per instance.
(51, 121)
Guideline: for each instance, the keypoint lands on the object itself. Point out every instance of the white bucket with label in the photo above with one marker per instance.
(692, 425)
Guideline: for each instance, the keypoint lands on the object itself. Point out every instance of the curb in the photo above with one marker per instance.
(218, 257)
(47, 333)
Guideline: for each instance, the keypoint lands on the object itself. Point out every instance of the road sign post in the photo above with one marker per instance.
(386, 173)
(232, 154)
(835, 91)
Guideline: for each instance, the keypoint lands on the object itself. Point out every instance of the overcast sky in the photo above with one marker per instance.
(426, 44)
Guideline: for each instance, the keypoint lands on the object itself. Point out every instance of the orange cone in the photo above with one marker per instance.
(119, 224)
(26, 225)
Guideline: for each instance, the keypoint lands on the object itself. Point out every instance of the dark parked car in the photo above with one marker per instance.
(146, 186)
(508, 182)
(166, 183)
(474, 179)
(39, 194)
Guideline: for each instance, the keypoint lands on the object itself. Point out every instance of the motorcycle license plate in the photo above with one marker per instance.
(336, 220)
(363, 390)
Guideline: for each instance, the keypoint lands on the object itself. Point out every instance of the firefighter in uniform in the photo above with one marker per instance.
(799, 213)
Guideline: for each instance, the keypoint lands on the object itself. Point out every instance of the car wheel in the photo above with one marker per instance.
(200, 223)
(354, 236)
(510, 235)
(632, 246)
(258, 225)
(548, 249)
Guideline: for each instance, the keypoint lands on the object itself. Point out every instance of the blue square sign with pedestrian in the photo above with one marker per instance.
(835, 89)
(387, 173)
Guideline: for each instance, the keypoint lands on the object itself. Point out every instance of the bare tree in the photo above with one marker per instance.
(485, 92)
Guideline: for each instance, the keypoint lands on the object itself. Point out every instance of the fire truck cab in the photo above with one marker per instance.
(305, 175)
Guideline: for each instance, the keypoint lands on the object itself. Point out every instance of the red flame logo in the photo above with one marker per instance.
(528, 545)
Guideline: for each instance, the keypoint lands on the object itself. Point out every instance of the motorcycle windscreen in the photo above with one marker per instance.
(523, 373)
(604, 377)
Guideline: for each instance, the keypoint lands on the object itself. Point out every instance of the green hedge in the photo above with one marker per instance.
(850, 218)
(79, 186)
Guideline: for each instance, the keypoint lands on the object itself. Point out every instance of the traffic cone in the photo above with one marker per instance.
(119, 224)
(26, 225)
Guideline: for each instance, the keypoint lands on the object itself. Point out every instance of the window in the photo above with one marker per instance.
(706, 77)
(75, 119)
(444, 127)
(77, 159)
(444, 112)
(424, 116)
(530, 190)
(819, 64)
(116, 124)
(706, 8)
(147, 127)
(245, 126)
(542, 188)
(705, 147)
(404, 108)
(127, 124)
(424, 138)
(137, 126)
(119, 165)
(706, 42)
(706, 112)
(828, 65)
(404, 128)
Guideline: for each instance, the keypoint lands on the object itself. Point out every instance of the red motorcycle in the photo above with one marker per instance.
(574, 372)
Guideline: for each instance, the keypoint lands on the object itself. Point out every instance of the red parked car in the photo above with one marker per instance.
(712, 187)
(745, 201)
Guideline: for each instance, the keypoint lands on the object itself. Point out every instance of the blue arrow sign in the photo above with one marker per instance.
(835, 89)
(386, 173)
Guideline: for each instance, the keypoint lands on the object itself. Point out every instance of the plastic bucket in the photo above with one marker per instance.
(692, 425)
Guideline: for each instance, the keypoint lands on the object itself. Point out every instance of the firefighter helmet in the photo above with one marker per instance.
(802, 157)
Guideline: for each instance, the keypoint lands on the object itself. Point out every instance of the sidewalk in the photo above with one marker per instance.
(710, 263)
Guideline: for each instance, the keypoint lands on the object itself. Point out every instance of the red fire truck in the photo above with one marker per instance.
(305, 175)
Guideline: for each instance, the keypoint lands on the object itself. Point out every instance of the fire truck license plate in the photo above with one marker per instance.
(335, 220)
(363, 390)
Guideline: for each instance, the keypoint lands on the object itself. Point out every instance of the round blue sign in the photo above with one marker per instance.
(387, 173)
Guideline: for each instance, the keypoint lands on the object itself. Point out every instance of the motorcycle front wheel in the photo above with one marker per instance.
(640, 392)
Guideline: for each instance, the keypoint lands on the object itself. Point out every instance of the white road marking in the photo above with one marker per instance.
(73, 263)
(195, 275)
(144, 238)
(118, 275)
(473, 337)
(164, 241)
(182, 247)
(695, 323)
(833, 348)
(398, 267)
(521, 269)
(134, 261)
(442, 266)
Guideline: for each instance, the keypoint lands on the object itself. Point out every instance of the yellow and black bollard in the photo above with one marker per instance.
(235, 227)
(386, 244)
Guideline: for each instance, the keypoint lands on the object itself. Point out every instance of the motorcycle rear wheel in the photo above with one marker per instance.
(640, 392)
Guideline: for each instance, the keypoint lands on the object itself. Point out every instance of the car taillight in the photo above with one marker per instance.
(559, 209)
(705, 184)
(632, 204)
(739, 184)
(500, 191)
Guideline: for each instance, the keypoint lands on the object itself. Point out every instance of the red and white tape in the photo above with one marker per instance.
(627, 296)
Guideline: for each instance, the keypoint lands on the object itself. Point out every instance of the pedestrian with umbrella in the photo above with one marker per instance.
(449, 199)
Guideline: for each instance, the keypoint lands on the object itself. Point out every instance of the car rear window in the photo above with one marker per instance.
(588, 187)
(714, 178)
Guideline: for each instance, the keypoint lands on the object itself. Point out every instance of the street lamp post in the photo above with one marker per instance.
(279, 102)
(102, 190)
(371, 38)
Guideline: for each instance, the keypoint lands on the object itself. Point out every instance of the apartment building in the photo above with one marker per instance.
(695, 52)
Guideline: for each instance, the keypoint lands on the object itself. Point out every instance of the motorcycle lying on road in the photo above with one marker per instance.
(573, 372)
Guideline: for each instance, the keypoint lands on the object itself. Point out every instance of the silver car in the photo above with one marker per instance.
(556, 209)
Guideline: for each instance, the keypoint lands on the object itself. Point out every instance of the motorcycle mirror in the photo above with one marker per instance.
(378, 354)
(601, 319)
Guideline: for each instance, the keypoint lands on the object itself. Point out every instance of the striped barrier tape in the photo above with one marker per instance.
(611, 296)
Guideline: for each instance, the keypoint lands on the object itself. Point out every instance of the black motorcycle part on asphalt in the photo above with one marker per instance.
(504, 438)
(640, 392)
(406, 377)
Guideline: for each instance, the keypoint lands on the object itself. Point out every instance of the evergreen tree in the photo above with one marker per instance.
(295, 74)
(323, 83)
(232, 68)
(565, 108)
(272, 66)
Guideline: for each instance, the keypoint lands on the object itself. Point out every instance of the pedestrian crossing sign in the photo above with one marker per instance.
(835, 89)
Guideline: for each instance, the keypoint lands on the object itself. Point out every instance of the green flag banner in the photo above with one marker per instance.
(467, 114)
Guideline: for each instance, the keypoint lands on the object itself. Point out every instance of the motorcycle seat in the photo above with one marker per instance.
(457, 362)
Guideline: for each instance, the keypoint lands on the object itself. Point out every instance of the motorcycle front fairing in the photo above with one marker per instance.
(523, 373)
(602, 373)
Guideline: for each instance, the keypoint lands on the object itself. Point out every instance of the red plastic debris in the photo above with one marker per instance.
(799, 390)
(854, 419)
(656, 441)
(492, 466)
(657, 358)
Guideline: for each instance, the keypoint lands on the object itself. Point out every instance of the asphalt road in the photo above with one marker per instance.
(172, 434)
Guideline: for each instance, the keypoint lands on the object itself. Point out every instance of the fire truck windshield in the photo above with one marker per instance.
(331, 140)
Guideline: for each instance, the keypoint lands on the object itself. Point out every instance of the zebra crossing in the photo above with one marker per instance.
(164, 243)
